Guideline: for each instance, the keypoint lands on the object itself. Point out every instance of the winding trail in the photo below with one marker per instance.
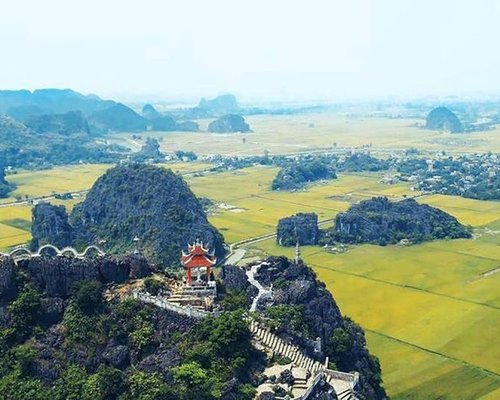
(254, 282)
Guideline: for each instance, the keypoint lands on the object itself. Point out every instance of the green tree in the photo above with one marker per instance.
(144, 386)
(24, 312)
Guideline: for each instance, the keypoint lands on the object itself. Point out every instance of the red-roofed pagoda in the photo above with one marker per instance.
(198, 257)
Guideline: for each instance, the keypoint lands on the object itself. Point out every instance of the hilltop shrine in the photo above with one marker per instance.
(196, 259)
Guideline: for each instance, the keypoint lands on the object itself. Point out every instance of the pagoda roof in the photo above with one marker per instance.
(198, 256)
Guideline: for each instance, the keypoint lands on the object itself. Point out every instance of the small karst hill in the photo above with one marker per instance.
(228, 124)
(381, 221)
(301, 228)
(443, 119)
(135, 200)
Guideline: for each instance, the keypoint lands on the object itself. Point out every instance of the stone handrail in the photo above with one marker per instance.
(184, 310)
(344, 376)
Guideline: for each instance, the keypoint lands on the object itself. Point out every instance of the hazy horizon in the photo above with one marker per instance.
(284, 51)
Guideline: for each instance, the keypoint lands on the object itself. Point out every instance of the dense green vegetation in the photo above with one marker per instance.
(381, 221)
(21, 146)
(64, 124)
(99, 350)
(360, 162)
(296, 174)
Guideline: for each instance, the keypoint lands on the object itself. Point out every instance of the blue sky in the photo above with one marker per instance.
(259, 50)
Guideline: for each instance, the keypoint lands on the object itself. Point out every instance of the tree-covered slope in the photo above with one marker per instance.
(65, 143)
(60, 339)
(296, 174)
(64, 124)
(381, 221)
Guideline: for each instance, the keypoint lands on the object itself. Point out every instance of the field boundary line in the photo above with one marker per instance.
(299, 204)
(407, 287)
(437, 353)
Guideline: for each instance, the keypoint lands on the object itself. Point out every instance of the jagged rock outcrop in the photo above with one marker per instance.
(57, 276)
(228, 124)
(53, 353)
(381, 221)
(118, 118)
(149, 112)
(50, 226)
(234, 278)
(302, 228)
(150, 150)
(304, 310)
(136, 200)
(67, 124)
(443, 119)
(8, 289)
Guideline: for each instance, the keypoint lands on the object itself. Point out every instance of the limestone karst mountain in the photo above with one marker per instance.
(443, 119)
(136, 200)
(381, 221)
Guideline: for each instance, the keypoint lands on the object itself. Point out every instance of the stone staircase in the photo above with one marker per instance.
(284, 349)
(306, 370)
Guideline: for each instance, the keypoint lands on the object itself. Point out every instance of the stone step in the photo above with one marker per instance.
(346, 394)
(300, 386)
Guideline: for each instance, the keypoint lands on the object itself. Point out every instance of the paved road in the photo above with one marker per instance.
(235, 253)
